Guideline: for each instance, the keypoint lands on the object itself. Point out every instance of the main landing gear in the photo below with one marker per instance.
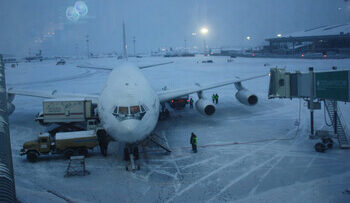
(131, 154)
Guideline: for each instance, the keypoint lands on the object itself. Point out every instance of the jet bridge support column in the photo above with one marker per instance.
(7, 182)
(311, 70)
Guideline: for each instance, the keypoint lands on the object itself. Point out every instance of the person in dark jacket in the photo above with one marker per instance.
(217, 98)
(194, 142)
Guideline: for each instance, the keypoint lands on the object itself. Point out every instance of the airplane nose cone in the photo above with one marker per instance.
(128, 131)
(130, 126)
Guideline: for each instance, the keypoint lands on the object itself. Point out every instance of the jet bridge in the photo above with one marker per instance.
(331, 85)
(315, 87)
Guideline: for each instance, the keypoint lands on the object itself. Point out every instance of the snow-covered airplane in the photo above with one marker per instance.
(128, 106)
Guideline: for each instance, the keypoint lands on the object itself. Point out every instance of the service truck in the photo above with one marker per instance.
(66, 111)
(67, 143)
(179, 102)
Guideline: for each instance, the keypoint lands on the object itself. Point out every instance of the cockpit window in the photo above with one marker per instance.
(142, 109)
(136, 112)
(123, 110)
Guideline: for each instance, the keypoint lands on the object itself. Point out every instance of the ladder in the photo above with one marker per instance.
(341, 129)
(76, 166)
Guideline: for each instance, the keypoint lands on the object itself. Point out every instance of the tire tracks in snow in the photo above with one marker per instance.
(85, 74)
(218, 170)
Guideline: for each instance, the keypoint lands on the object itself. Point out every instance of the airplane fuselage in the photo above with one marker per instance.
(128, 106)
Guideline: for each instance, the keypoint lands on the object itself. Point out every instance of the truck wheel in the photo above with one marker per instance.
(328, 142)
(82, 151)
(32, 156)
(68, 153)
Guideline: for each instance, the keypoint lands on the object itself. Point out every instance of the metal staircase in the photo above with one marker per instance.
(340, 128)
(156, 139)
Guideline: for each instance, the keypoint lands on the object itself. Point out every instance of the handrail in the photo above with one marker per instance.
(342, 120)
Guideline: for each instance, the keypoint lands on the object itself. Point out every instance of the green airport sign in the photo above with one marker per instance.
(332, 85)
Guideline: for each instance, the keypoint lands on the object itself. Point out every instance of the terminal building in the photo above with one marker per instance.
(324, 41)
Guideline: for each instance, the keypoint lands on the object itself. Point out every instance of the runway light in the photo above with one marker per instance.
(248, 37)
(324, 55)
(204, 30)
(253, 54)
(302, 55)
(279, 35)
(172, 101)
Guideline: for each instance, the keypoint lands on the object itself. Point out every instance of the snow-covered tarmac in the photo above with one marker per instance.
(244, 155)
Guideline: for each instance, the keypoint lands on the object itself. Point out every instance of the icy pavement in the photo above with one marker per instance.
(246, 154)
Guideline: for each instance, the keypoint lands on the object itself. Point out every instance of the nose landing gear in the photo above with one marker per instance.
(131, 154)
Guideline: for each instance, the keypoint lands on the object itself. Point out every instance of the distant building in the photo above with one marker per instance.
(325, 41)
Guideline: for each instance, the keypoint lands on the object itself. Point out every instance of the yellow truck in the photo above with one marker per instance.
(67, 143)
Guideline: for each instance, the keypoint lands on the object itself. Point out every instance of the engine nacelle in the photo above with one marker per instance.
(205, 107)
(10, 108)
(10, 97)
(246, 97)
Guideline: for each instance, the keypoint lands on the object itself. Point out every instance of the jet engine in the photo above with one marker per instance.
(205, 107)
(10, 106)
(246, 97)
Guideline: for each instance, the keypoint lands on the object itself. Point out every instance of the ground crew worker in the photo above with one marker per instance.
(191, 103)
(216, 98)
(194, 142)
(213, 98)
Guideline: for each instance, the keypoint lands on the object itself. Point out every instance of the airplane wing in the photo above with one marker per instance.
(110, 68)
(158, 64)
(171, 94)
(95, 67)
(53, 94)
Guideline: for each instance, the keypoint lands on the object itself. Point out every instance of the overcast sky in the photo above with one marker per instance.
(28, 25)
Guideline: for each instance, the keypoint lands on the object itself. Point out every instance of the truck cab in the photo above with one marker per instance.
(35, 147)
(44, 143)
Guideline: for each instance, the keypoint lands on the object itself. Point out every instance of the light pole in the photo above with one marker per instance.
(204, 31)
(134, 41)
(87, 46)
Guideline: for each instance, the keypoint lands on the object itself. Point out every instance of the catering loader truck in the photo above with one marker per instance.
(67, 143)
(66, 111)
